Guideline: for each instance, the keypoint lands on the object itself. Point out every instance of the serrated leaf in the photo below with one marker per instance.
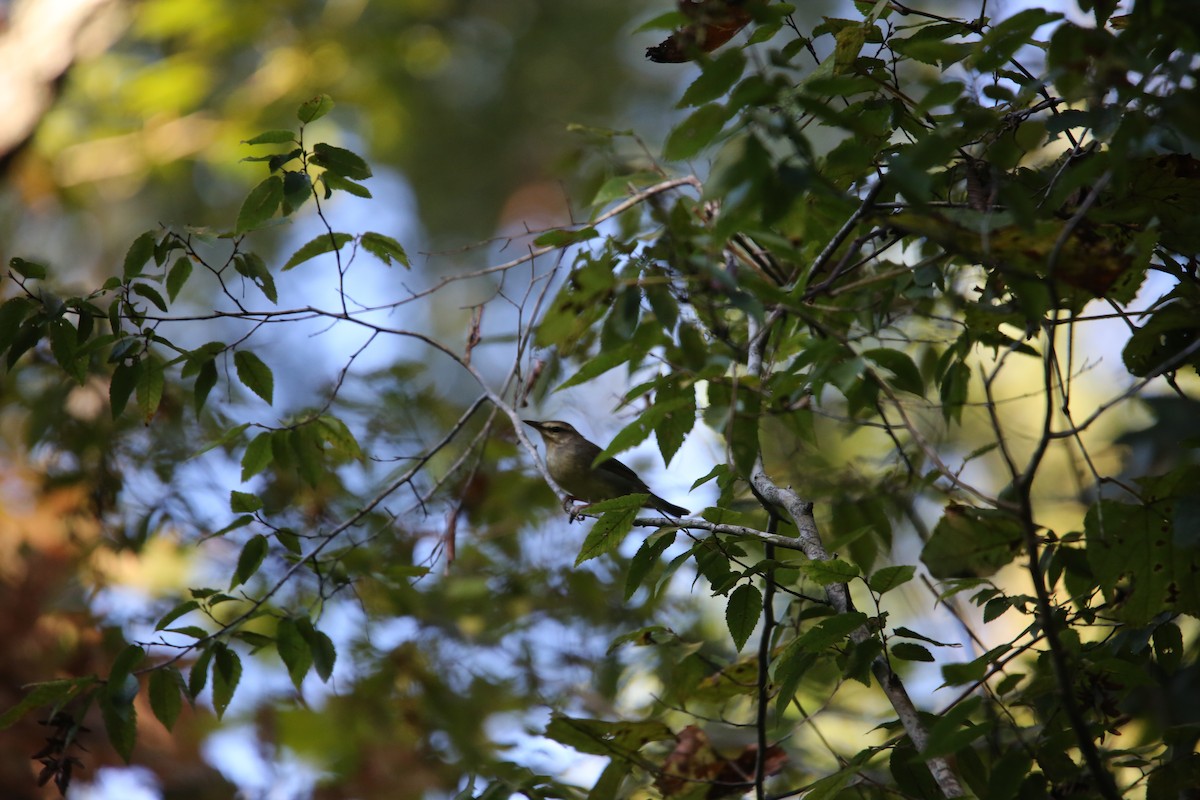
(306, 444)
(297, 188)
(178, 275)
(166, 695)
(12, 314)
(335, 182)
(27, 269)
(44, 694)
(339, 437)
(293, 650)
(889, 578)
(905, 375)
(198, 674)
(742, 613)
(272, 137)
(385, 248)
(260, 205)
(833, 570)
(121, 384)
(695, 133)
(314, 108)
(340, 161)
(151, 294)
(320, 646)
(645, 559)
(258, 456)
(254, 374)
(601, 737)
(972, 542)
(226, 673)
(325, 243)
(250, 560)
(186, 607)
(244, 502)
(206, 379)
(120, 723)
(150, 381)
(565, 238)
(717, 77)
(908, 651)
(141, 251)
(610, 530)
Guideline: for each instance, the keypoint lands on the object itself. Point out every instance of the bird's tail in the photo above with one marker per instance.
(668, 508)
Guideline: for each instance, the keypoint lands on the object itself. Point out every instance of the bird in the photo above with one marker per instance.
(569, 460)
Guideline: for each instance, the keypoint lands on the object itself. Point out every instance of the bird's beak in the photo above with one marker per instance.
(533, 424)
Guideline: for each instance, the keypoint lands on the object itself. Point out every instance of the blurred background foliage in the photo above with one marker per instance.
(462, 108)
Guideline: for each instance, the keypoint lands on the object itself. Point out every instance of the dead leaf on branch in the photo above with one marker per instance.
(713, 23)
(694, 763)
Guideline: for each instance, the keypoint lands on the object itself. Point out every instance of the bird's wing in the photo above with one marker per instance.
(612, 465)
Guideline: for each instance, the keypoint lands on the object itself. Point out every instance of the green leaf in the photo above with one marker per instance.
(695, 133)
(742, 613)
(186, 607)
(334, 182)
(250, 560)
(306, 446)
(120, 723)
(717, 78)
(150, 381)
(603, 738)
(321, 646)
(198, 674)
(260, 205)
(1132, 553)
(227, 671)
(385, 248)
(12, 313)
(120, 386)
(27, 269)
(832, 571)
(339, 438)
(258, 455)
(905, 375)
(166, 695)
(244, 502)
(565, 238)
(829, 631)
(293, 650)
(315, 108)
(909, 651)
(340, 161)
(47, 693)
(644, 560)
(206, 379)
(141, 251)
(610, 530)
(63, 338)
(151, 294)
(254, 374)
(272, 137)
(956, 384)
(180, 271)
(325, 243)
(970, 542)
(297, 188)
(850, 40)
(889, 578)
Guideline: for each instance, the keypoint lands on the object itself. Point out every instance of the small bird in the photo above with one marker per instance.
(569, 459)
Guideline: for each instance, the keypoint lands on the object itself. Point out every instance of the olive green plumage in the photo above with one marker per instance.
(569, 459)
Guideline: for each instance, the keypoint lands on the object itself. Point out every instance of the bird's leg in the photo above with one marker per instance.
(573, 512)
